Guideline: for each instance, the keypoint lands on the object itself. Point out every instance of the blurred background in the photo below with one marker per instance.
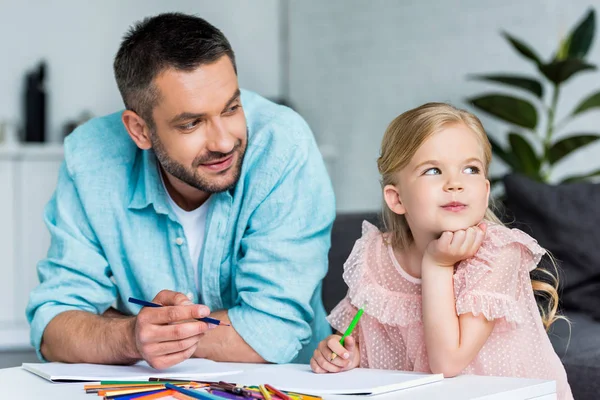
(347, 66)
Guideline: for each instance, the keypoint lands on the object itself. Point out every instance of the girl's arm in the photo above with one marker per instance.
(452, 342)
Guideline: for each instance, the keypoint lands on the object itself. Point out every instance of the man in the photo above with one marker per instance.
(201, 197)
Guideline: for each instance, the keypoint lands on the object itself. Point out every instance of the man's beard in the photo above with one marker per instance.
(191, 175)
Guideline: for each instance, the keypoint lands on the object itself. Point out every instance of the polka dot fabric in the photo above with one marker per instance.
(495, 283)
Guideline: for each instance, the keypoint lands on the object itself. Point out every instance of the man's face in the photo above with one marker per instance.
(200, 134)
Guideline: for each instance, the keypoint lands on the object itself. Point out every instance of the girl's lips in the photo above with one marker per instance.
(220, 165)
(454, 207)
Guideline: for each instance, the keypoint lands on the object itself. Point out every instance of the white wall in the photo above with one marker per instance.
(355, 65)
(79, 39)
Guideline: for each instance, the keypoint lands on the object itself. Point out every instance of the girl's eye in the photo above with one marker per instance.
(472, 170)
(433, 171)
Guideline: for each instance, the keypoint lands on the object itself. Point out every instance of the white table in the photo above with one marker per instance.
(17, 383)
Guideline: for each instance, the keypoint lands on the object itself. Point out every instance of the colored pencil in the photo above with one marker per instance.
(196, 394)
(349, 330)
(264, 392)
(279, 393)
(145, 303)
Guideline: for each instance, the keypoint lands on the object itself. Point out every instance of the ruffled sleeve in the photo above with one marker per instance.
(490, 283)
(342, 315)
(367, 273)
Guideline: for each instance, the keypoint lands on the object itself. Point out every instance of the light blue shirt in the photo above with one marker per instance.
(114, 234)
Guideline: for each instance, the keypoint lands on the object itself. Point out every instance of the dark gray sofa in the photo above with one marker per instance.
(581, 359)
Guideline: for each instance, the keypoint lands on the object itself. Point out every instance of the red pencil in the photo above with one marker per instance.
(279, 393)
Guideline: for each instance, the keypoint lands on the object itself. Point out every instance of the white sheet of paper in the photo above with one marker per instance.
(193, 368)
(300, 378)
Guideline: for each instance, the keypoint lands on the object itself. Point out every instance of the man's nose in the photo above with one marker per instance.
(219, 139)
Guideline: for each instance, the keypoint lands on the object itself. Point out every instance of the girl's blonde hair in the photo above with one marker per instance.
(402, 138)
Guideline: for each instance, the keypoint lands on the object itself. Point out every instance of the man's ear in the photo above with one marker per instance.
(392, 198)
(137, 128)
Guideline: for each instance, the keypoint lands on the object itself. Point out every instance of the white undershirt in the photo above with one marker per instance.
(194, 226)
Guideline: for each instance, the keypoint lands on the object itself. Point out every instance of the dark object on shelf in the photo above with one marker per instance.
(72, 124)
(35, 105)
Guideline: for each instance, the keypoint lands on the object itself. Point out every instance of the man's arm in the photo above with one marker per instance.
(162, 336)
(82, 337)
(221, 343)
(75, 277)
(76, 286)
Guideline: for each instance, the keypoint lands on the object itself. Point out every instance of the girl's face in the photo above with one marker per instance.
(444, 187)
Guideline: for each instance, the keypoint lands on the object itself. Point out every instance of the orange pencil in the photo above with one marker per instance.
(181, 396)
(159, 395)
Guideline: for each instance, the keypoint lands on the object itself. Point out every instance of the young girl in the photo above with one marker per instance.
(446, 287)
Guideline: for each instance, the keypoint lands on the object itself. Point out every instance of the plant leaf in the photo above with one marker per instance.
(590, 102)
(567, 145)
(522, 48)
(510, 109)
(529, 84)
(523, 151)
(506, 156)
(579, 178)
(581, 39)
(559, 71)
(563, 49)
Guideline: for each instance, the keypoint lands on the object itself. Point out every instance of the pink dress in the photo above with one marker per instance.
(494, 282)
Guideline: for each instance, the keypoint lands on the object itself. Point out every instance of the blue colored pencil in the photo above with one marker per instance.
(196, 394)
(145, 303)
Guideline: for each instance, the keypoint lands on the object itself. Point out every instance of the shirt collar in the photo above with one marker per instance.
(148, 188)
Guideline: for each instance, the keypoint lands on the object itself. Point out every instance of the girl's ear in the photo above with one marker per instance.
(393, 200)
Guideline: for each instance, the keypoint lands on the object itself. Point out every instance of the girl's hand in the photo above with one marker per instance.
(453, 247)
(348, 356)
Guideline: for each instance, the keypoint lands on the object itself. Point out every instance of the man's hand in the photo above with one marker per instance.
(168, 335)
(453, 247)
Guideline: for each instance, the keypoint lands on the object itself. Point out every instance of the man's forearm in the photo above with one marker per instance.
(82, 337)
(225, 344)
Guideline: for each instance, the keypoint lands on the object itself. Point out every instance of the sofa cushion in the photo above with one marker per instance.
(346, 230)
(565, 219)
(578, 346)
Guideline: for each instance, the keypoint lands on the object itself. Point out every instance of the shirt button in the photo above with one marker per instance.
(179, 241)
(190, 296)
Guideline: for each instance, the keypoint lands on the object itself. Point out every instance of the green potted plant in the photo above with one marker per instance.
(522, 114)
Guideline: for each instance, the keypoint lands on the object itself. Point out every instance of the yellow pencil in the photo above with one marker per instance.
(264, 392)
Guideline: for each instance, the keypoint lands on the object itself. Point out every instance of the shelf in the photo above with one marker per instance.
(35, 151)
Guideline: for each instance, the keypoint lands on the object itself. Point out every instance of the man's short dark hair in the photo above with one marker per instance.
(170, 40)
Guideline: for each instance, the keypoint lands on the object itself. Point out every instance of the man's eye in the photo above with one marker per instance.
(433, 171)
(189, 125)
(472, 170)
(232, 109)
